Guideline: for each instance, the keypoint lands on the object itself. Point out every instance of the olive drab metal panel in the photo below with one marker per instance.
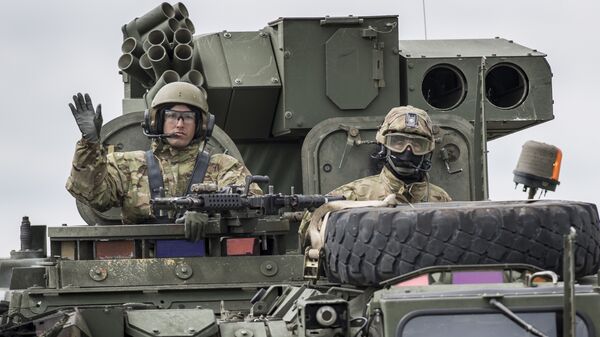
(210, 50)
(199, 322)
(441, 76)
(338, 150)
(242, 81)
(279, 160)
(334, 67)
(179, 271)
(348, 77)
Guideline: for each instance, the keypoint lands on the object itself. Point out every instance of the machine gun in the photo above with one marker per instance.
(210, 213)
(206, 198)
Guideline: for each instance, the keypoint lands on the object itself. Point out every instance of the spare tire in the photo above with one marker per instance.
(364, 246)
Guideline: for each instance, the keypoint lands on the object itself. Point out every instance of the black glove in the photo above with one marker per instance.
(88, 120)
(195, 225)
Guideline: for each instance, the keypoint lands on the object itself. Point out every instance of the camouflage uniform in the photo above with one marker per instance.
(120, 178)
(379, 186)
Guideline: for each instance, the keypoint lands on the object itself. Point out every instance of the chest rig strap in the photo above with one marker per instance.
(155, 177)
(200, 169)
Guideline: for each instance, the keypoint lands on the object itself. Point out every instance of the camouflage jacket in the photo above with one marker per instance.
(120, 179)
(379, 186)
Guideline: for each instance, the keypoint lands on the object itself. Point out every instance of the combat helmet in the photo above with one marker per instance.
(404, 126)
(179, 93)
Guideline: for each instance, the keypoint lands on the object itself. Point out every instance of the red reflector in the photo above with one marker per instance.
(243, 246)
(422, 280)
(121, 249)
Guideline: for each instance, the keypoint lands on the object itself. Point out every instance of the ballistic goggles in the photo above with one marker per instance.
(398, 142)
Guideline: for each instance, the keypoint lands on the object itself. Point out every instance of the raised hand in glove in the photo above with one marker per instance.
(195, 225)
(88, 120)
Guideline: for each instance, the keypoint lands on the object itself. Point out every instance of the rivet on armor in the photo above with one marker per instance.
(183, 271)
(98, 273)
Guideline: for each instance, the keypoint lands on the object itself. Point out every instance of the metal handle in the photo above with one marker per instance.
(255, 179)
(446, 159)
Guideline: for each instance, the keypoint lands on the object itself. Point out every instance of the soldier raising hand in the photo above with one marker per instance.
(179, 124)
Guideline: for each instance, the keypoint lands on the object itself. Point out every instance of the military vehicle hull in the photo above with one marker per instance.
(300, 100)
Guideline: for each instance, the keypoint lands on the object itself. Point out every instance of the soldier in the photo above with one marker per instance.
(406, 146)
(407, 143)
(179, 124)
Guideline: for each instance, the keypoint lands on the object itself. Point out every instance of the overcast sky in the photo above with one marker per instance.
(52, 49)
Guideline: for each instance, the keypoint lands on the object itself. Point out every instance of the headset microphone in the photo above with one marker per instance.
(161, 136)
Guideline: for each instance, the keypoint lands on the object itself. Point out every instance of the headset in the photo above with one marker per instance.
(152, 125)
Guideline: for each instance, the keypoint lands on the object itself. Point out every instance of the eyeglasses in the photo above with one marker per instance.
(173, 116)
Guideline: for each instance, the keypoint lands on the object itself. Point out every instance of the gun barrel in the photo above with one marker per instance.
(177, 202)
(312, 201)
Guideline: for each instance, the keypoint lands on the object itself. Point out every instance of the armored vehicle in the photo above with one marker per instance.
(299, 102)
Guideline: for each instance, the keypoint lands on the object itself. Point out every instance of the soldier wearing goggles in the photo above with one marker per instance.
(406, 146)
